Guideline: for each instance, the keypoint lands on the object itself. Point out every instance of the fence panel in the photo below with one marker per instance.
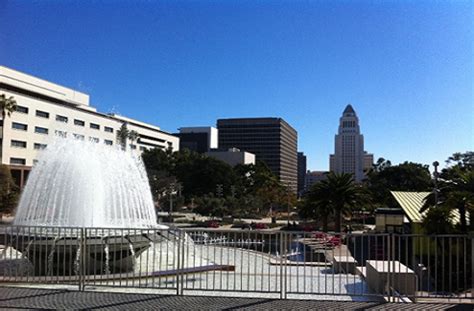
(355, 266)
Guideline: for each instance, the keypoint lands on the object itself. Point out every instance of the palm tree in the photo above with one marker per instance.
(317, 205)
(7, 105)
(122, 136)
(455, 193)
(338, 194)
(133, 136)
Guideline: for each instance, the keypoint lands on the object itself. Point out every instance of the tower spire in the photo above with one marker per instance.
(349, 110)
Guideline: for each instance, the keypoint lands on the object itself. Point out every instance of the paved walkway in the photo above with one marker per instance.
(50, 299)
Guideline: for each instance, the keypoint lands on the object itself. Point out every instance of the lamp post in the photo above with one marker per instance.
(436, 174)
(171, 189)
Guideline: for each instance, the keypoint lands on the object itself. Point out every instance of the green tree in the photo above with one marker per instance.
(438, 221)
(122, 136)
(463, 160)
(159, 166)
(209, 205)
(133, 136)
(8, 191)
(407, 176)
(455, 189)
(316, 205)
(7, 105)
(338, 195)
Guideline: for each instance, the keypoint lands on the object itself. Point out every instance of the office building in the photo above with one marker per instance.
(46, 110)
(349, 155)
(199, 139)
(272, 140)
(301, 172)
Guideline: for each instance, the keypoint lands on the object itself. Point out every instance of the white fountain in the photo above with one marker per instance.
(87, 198)
(82, 184)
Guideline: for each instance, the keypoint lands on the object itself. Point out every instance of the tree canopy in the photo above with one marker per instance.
(8, 191)
(454, 191)
(407, 176)
(215, 185)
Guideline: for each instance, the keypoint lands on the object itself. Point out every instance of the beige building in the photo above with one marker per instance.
(349, 155)
(233, 156)
(46, 110)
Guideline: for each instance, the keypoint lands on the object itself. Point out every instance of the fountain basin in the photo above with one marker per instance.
(57, 255)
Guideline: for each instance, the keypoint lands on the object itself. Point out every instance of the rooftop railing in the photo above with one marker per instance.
(352, 266)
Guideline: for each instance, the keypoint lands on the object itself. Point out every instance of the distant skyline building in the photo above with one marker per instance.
(272, 140)
(349, 155)
(312, 177)
(301, 172)
(200, 139)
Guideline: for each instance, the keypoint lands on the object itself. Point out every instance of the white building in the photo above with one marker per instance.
(349, 155)
(233, 156)
(45, 110)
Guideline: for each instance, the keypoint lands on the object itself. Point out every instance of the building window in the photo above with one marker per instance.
(79, 136)
(38, 146)
(95, 126)
(41, 130)
(108, 129)
(42, 114)
(35, 161)
(18, 143)
(94, 139)
(60, 133)
(61, 118)
(21, 109)
(108, 142)
(79, 122)
(17, 161)
(19, 126)
(133, 147)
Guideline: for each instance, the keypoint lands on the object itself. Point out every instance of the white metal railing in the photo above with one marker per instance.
(402, 267)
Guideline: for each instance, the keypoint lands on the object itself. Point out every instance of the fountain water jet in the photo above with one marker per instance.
(78, 184)
(82, 184)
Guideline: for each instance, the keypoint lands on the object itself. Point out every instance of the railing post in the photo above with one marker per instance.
(389, 259)
(81, 265)
(472, 264)
(183, 259)
(178, 266)
(285, 266)
(281, 264)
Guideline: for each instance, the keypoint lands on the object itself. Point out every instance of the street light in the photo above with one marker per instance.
(435, 174)
(171, 189)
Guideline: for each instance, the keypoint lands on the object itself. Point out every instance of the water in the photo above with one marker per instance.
(86, 184)
(107, 257)
(27, 250)
(51, 258)
(77, 260)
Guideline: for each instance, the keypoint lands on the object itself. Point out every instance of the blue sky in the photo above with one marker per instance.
(407, 67)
